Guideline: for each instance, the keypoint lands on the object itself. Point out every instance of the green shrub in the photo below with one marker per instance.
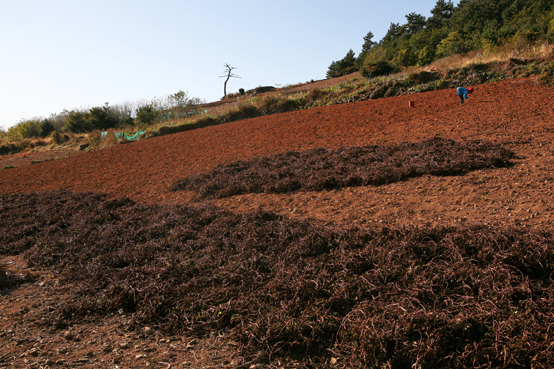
(170, 129)
(205, 122)
(406, 58)
(268, 104)
(277, 104)
(231, 116)
(97, 118)
(426, 55)
(102, 118)
(167, 130)
(24, 129)
(146, 114)
(380, 68)
(284, 105)
(78, 122)
(248, 110)
(46, 127)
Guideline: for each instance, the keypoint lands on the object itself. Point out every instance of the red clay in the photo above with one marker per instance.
(517, 113)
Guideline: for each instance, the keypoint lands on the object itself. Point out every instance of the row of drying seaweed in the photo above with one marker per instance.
(321, 169)
(440, 297)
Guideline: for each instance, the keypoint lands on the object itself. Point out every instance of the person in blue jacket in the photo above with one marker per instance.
(462, 92)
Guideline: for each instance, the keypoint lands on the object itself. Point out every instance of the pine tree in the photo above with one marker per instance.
(441, 13)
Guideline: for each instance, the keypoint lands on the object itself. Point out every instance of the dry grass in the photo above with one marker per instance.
(496, 54)
(36, 143)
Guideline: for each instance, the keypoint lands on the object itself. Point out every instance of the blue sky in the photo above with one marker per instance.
(57, 54)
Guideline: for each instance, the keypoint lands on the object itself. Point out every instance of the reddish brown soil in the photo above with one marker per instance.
(517, 113)
(36, 156)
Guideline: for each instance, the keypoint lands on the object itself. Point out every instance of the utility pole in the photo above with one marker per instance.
(228, 73)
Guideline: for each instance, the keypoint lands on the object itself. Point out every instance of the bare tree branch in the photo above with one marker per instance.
(228, 73)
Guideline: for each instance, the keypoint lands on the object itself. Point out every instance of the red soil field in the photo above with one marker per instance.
(515, 113)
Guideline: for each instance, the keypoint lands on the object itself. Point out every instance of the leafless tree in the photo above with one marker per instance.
(227, 73)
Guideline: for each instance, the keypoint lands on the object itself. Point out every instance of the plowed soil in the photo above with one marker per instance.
(517, 114)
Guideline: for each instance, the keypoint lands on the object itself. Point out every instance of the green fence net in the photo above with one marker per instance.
(119, 135)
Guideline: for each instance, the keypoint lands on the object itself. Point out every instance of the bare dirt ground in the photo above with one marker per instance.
(516, 113)
(35, 156)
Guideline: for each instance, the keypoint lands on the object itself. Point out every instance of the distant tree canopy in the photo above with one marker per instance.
(344, 66)
(97, 118)
(470, 25)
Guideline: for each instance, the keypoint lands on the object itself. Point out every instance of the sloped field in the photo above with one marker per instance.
(443, 262)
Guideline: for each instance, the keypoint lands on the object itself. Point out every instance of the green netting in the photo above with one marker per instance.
(119, 135)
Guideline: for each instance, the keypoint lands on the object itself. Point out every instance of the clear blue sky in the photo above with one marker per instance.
(57, 54)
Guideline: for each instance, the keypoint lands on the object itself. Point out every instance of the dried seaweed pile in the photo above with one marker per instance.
(439, 297)
(320, 169)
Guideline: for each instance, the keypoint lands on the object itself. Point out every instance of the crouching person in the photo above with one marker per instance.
(463, 93)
